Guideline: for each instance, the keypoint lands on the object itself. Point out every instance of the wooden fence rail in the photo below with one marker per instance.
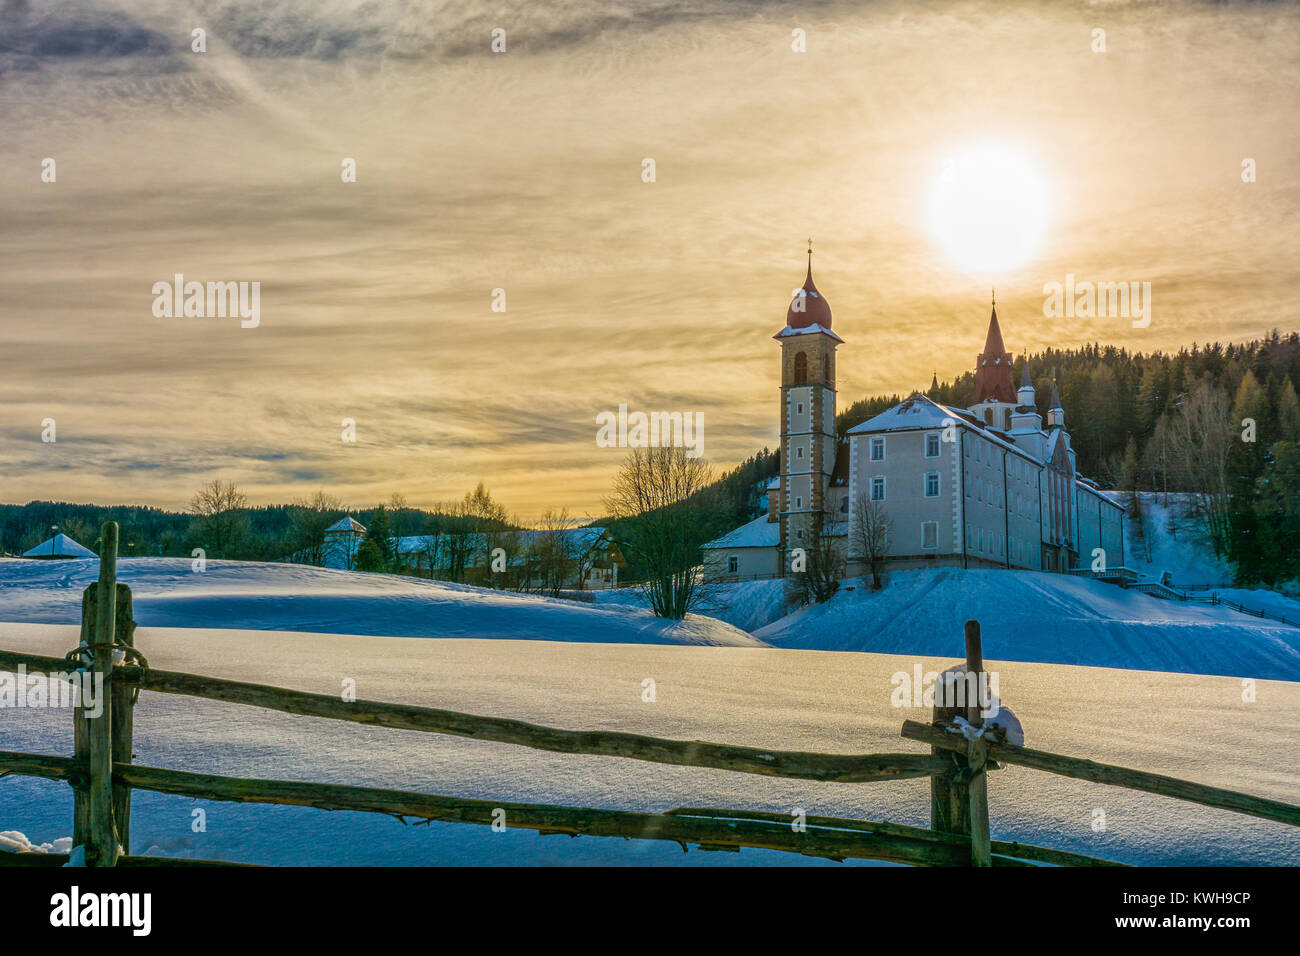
(102, 773)
(1109, 774)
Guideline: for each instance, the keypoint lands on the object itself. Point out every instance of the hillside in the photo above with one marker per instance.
(1035, 616)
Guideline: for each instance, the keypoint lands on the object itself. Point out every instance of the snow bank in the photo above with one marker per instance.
(15, 841)
(747, 605)
(289, 597)
(1051, 618)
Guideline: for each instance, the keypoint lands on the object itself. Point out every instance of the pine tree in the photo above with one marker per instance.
(377, 551)
(1288, 413)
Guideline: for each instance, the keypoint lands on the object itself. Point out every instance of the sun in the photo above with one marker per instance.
(988, 208)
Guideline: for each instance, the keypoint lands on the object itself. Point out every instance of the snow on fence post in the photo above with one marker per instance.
(101, 845)
(981, 853)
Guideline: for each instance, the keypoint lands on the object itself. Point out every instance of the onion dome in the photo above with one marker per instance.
(809, 307)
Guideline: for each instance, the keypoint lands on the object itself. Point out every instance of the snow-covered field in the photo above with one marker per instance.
(1036, 616)
(257, 596)
(1190, 726)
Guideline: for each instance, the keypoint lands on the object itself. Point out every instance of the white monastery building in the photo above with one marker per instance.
(990, 485)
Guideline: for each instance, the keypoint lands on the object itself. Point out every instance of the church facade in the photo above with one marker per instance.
(989, 485)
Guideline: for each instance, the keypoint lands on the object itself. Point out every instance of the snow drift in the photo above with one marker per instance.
(289, 597)
(1036, 616)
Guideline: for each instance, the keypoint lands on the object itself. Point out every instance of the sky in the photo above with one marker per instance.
(523, 171)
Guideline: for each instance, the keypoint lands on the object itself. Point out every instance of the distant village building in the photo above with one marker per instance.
(572, 558)
(990, 485)
(59, 546)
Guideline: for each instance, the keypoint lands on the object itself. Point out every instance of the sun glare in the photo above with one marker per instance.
(988, 208)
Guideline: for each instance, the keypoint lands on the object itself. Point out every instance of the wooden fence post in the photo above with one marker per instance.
(949, 792)
(980, 847)
(101, 848)
(123, 704)
(81, 729)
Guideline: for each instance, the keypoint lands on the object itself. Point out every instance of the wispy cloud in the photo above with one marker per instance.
(521, 171)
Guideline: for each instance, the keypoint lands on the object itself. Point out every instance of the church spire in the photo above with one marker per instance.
(1055, 413)
(993, 380)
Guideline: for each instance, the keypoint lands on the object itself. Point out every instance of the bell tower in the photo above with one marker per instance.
(807, 416)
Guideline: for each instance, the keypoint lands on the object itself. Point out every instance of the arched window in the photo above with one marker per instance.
(800, 368)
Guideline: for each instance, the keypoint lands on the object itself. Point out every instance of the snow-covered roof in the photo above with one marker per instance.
(919, 413)
(807, 330)
(59, 546)
(1114, 498)
(347, 523)
(575, 541)
(759, 533)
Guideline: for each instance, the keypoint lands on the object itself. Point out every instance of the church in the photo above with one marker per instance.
(987, 486)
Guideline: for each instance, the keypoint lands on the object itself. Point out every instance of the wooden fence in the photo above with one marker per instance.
(102, 773)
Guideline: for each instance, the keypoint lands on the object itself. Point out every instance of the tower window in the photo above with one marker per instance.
(878, 488)
(798, 503)
(826, 367)
(799, 408)
(931, 446)
(877, 449)
(800, 368)
(798, 452)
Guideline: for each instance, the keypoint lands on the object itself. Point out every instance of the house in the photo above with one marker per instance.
(989, 485)
(569, 558)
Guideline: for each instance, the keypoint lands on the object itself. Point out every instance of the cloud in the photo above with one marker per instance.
(522, 171)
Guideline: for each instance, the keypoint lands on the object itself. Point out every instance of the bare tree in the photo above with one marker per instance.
(1200, 439)
(551, 562)
(815, 574)
(658, 503)
(490, 527)
(219, 519)
(308, 519)
(869, 536)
